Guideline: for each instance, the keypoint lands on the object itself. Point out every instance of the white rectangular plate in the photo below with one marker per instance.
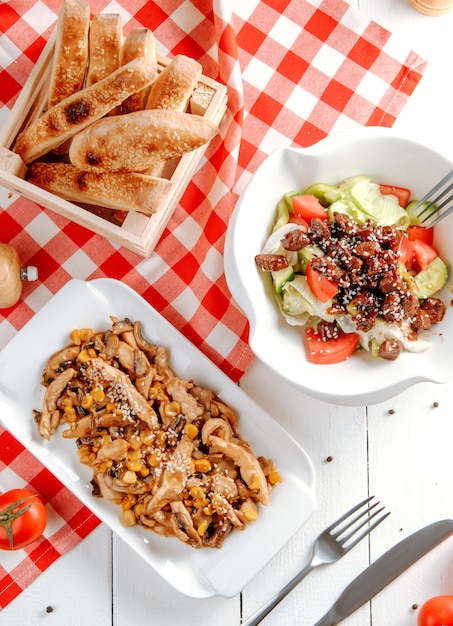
(197, 573)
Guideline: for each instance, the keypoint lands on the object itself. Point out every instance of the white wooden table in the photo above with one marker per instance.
(399, 450)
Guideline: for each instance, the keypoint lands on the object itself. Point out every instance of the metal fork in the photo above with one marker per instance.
(333, 543)
(432, 208)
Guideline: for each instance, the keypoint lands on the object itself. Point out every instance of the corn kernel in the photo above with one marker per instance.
(197, 492)
(153, 459)
(139, 509)
(160, 439)
(199, 503)
(98, 394)
(128, 518)
(76, 337)
(133, 454)
(110, 406)
(67, 401)
(86, 334)
(135, 444)
(202, 466)
(105, 465)
(251, 515)
(87, 401)
(134, 466)
(275, 477)
(147, 437)
(172, 409)
(128, 501)
(129, 477)
(255, 483)
(208, 509)
(84, 355)
(70, 413)
(190, 430)
(202, 527)
(144, 471)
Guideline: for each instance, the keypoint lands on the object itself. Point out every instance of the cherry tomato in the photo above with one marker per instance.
(324, 351)
(22, 519)
(321, 287)
(437, 611)
(308, 206)
(401, 193)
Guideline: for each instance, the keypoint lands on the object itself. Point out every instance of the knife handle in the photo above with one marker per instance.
(383, 571)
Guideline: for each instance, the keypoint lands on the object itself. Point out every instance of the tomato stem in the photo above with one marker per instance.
(8, 515)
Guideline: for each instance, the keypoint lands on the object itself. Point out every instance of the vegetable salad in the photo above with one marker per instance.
(353, 266)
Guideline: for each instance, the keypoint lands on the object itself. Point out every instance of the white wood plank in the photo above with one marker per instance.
(77, 587)
(410, 464)
(142, 597)
(335, 439)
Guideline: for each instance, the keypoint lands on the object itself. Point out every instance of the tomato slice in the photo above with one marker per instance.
(321, 287)
(403, 194)
(308, 206)
(423, 254)
(324, 351)
(421, 234)
(405, 251)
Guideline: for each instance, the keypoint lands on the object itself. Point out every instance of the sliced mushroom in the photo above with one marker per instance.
(173, 478)
(178, 390)
(117, 378)
(115, 450)
(216, 425)
(53, 392)
(183, 525)
(57, 361)
(249, 466)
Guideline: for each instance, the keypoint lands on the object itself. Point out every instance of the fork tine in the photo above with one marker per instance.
(367, 519)
(353, 522)
(348, 514)
(368, 530)
(430, 200)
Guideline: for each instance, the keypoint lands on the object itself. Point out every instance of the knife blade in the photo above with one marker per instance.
(383, 571)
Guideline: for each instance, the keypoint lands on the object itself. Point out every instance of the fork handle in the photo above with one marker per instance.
(257, 617)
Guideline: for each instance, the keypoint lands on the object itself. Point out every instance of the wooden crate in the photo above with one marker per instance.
(138, 232)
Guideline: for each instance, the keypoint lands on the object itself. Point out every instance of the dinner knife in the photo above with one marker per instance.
(383, 571)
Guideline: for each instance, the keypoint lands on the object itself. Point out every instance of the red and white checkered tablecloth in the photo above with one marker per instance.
(296, 71)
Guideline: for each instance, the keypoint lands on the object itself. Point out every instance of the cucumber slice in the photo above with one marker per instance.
(284, 207)
(414, 220)
(431, 279)
(306, 254)
(325, 193)
(281, 277)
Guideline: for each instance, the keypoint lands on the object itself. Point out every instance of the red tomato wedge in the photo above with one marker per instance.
(294, 218)
(403, 194)
(421, 234)
(324, 351)
(321, 287)
(405, 251)
(423, 254)
(308, 207)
